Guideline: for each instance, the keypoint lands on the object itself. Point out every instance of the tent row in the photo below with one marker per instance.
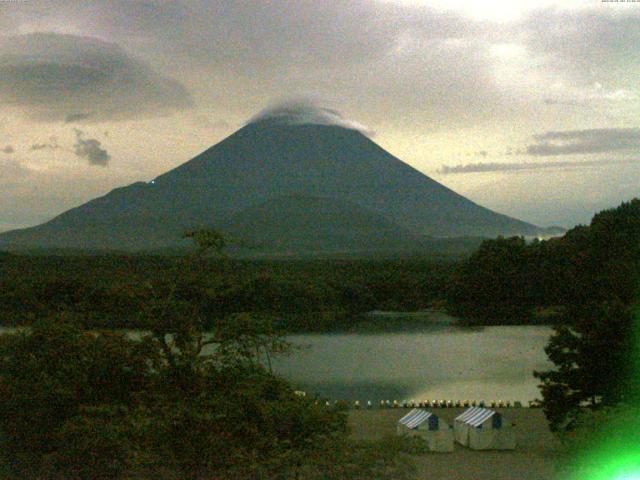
(477, 428)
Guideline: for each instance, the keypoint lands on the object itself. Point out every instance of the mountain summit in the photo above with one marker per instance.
(311, 163)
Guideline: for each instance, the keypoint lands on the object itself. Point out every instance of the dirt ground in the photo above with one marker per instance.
(535, 457)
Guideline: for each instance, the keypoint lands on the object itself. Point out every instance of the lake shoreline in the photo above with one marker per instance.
(376, 321)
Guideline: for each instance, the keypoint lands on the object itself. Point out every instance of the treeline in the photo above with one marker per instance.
(111, 291)
(508, 280)
(588, 284)
(79, 404)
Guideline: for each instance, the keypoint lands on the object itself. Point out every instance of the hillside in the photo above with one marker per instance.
(263, 161)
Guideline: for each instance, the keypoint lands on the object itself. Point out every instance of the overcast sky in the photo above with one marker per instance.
(529, 108)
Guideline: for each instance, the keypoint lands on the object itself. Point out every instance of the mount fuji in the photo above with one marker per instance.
(295, 179)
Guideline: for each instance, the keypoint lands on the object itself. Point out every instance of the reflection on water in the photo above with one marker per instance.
(440, 363)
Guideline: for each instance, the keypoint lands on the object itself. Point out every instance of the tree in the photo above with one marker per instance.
(50, 377)
(216, 409)
(193, 399)
(505, 279)
(492, 284)
(595, 347)
(591, 353)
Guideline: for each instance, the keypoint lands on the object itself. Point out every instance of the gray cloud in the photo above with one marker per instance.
(306, 111)
(406, 69)
(518, 151)
(254, 35)
(594, 45)
(600, 140)
(8, 149)
(90, 149)
(415, 64)
(87, 148)
(559, 101)
(52, 144)
(50, 75)
(412, 60)
(515, 167)
(247, 36)
(478, 153)
(77, 117)
(11, 170)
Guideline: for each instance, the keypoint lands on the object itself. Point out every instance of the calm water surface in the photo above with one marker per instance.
(438, 362)
(446, 362)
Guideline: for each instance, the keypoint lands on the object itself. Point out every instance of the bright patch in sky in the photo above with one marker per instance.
(495, 10)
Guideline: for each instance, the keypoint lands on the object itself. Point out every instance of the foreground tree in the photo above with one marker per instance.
(56, 380)
(595, 348)
(193, 399)
(592, 354)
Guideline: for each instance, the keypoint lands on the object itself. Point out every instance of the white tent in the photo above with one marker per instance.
(426, 425)
(483, 429)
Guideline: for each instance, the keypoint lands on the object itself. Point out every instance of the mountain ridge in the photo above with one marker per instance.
(260, 161)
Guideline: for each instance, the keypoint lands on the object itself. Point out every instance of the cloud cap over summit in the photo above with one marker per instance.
(306, 112)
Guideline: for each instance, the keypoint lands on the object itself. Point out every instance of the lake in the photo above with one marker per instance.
(439, 362)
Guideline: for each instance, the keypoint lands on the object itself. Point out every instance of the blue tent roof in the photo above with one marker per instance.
(416, 417)
(475, 416)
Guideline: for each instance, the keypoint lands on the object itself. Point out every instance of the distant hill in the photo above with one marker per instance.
(266, 182)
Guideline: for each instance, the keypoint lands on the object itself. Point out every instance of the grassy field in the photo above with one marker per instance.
(535, 457)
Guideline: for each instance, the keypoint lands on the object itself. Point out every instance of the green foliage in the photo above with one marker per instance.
(589, 278)
(94, 444)
(592, 362)
(230, 417)
(206, 240)
(112, 291)
(52, 373)
(595, 349)
(181, 402)
(81, 405)
(491, 284)
(365, 460)
(507, 279)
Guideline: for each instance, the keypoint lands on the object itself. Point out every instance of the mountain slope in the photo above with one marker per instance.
(302, 225)
(263, 160)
